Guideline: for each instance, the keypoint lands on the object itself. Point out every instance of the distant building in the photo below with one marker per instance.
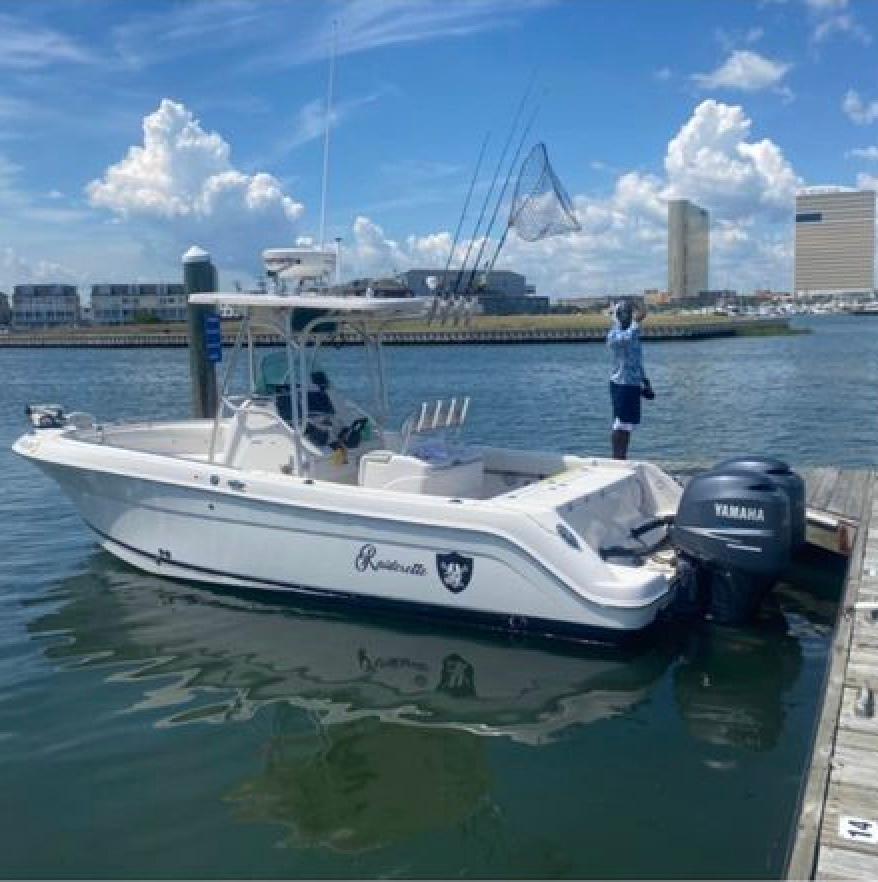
(5, 311)
(688, 249)
(129, 304)
(377, 288)
(44, 306)
(499, 292)
(835, 241)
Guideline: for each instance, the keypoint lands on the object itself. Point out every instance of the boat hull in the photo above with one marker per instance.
(498, 569)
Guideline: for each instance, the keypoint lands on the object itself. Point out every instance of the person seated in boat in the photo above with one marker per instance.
(628, 382)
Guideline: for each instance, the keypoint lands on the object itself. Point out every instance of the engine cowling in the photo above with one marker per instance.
(778, 472)
(734, 527)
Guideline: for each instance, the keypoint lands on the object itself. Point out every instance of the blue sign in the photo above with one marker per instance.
(213, 338)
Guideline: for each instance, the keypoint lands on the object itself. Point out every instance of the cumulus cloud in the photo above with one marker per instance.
(181, 184)
(745, 70)
(859, 111)
(713, 161)
(747, 184)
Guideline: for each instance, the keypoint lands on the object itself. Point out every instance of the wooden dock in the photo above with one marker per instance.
(836, 835)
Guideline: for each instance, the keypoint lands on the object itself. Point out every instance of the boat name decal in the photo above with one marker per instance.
(739, 512)
(373, 663)
(367, 559)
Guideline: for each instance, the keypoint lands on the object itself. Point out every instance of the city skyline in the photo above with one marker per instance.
(130, 131)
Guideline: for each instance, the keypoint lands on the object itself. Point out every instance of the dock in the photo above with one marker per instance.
(836, 833)
(440, 335)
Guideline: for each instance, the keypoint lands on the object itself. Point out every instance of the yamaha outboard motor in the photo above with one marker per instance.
(778, 472)
(733, 529)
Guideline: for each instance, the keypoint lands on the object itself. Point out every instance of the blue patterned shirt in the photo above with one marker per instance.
(627, 355)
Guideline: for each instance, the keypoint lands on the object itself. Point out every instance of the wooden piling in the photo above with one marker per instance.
(199, 275)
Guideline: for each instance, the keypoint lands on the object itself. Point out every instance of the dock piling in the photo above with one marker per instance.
(199, 275)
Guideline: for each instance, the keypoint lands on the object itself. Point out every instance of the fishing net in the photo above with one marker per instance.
(540, 205)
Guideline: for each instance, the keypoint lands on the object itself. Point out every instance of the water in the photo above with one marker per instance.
(157, 729)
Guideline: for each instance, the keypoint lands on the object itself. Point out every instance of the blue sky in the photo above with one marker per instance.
(130, 130)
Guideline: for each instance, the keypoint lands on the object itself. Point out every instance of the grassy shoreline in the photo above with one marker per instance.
(513, 323)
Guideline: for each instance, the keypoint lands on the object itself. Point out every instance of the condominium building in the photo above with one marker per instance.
(128, 304)
(835, 241)
(44, 306)
(5, 311)
(688, 249)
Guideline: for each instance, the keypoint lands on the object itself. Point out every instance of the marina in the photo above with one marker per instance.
(438, 440)
(159, 665)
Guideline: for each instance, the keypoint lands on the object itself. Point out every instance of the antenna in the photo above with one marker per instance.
(326, 128)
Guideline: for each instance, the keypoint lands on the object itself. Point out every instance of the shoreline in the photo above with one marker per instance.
(501, 330)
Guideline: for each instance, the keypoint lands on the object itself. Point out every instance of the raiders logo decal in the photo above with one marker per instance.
(454, 570)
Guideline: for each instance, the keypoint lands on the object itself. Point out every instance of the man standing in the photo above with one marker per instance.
(627, 379)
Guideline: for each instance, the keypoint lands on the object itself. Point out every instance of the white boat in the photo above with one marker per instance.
(295, 487)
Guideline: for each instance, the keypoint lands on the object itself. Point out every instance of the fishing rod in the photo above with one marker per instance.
(500, 198)
(444, 281)
(509, 137)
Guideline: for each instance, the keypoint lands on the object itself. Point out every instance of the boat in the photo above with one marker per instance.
(295, 486)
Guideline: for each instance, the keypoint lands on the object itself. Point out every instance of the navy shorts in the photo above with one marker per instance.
(626, 404)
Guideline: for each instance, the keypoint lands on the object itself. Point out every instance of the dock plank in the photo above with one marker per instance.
(823, 488)
(845, 800)
(842, 863)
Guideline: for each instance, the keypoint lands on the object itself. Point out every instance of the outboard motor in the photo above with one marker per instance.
(733, 528)
(778, 472)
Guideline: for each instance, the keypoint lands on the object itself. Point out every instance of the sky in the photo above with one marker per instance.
(131, 130)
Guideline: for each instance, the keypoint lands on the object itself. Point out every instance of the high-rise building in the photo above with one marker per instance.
(835, 240)
(44, 306)
(688, 249)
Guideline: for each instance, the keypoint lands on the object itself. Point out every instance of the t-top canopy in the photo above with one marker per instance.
(345, 308)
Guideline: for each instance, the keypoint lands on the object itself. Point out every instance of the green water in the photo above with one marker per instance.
(157, 729)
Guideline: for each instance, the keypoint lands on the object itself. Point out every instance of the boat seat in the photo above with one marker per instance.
(256, 441)
(434, 470)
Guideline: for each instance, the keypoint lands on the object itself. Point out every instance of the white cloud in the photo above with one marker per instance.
(859, 111)
(745, 70)
(16, 270)
(712, 161)
(826, 5)
(841, 24)
(308, 124)
(832, 18)
(277, 35)
(870, 153)
(747, 185)
(867, 182)
(27, 46)
(180, 183)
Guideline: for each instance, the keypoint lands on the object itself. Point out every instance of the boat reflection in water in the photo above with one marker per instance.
(229, 655)
(367, 717)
